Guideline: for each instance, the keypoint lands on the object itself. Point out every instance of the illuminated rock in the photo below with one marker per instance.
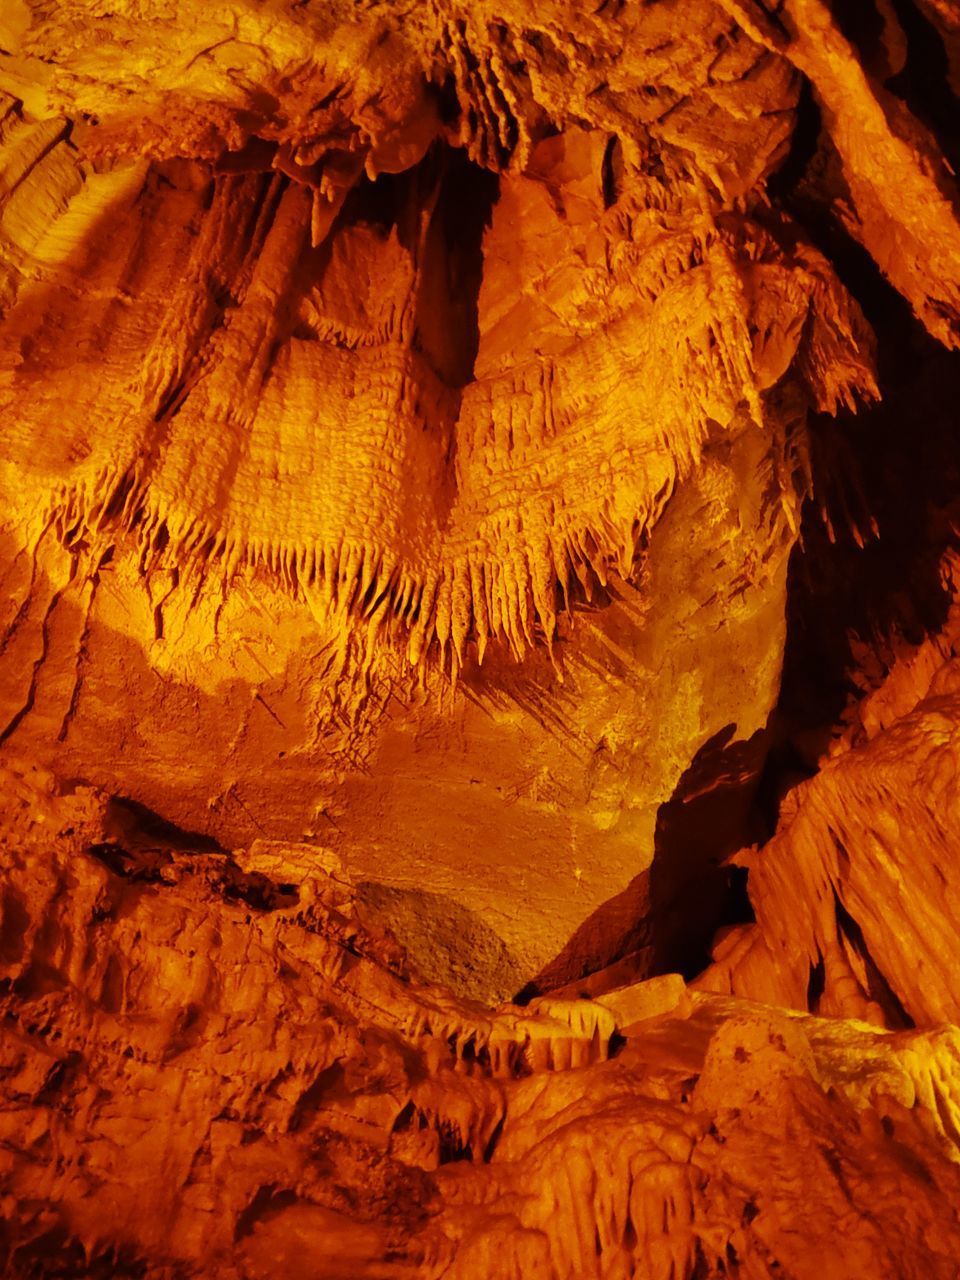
(468, 808)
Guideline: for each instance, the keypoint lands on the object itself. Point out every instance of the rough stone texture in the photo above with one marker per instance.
(478, 667)
(512, 788)
(577, 374)
(212, 1066)
(856, 895)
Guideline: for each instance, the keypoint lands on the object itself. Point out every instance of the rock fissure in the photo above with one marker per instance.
(478, 640)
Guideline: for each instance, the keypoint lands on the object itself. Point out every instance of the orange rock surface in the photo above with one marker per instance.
(479, 688)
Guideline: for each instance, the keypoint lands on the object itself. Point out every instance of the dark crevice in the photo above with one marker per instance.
(55, 1254)
(448, 331)
(712, 814)
(490, 1148)
(268, 1201)
(612, 172)
(878, 988)
(256, 890)
(134, 824)
(27, 706)
(924, 82)
(667, 918)
(328, 1083)
(816, 985)
(144, 865)
(460, 196)
(803, 146)
(783, 768)
(896, 463)
(383, 202)
(445, 96)
(862, 24)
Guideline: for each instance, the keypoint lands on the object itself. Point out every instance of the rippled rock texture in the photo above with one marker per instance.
(478, 639)
(213, 1065)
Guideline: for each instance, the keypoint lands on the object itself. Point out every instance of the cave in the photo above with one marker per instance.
(479, 572)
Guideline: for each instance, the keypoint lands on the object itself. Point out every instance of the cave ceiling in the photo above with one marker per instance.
(479, 678)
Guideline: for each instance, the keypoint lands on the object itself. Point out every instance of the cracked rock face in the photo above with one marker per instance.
(242, 1054)
(477, 643)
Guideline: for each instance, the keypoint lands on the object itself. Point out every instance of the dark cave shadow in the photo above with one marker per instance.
(138, 824)
(666, 918)
(895, 463)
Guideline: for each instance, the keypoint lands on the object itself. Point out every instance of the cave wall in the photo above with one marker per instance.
(478, 640)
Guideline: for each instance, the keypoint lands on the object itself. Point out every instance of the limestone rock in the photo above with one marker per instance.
(856, 894)
(479, 639)
(243, 1054)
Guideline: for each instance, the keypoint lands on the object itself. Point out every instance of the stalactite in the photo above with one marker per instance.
(478, 534)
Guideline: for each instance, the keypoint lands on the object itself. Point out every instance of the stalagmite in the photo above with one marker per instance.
(479, 640)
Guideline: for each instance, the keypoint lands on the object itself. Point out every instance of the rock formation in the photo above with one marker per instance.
(479, 639)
